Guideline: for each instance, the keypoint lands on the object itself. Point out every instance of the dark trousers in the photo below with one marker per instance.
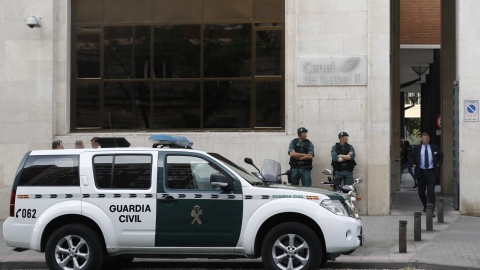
(407, 165)
(426, 182)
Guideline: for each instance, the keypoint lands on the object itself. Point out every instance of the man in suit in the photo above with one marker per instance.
(426, 159)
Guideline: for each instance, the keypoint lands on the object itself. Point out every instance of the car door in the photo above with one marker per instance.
(190, 212)
(117, 188)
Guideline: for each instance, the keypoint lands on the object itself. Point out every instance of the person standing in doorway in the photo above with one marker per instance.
(426, 158)
(406, 149)
(343, 160)
(301, 153)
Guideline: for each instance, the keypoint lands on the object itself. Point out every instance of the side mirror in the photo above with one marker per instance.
(248, 160)
(327, 172)
(221, 181)
(358, 181)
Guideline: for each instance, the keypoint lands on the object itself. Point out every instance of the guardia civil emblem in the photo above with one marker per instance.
(196, 212)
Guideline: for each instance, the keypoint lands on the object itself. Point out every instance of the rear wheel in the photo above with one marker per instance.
(74, 246)
(291, 246)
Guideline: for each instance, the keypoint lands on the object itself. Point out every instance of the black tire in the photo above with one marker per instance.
(291, 243)
(74, 243)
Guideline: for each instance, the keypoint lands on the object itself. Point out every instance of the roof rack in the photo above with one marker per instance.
(170, 141)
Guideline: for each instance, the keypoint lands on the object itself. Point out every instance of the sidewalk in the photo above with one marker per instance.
(454, 244)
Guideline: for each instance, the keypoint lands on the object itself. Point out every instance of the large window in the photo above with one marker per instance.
(50, 171)
(164, 66)
(123, 171)
(189, 172)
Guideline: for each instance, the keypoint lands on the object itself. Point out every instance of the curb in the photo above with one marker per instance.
(250, 265)
(393, 265)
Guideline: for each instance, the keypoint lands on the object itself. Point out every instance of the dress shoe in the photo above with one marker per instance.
(415, 186)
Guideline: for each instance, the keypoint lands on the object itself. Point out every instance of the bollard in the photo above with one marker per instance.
(402, 237)
(429, 217)
(440, 209)
(417, 226)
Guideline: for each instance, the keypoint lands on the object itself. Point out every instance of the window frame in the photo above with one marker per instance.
(214, 165)
(113, 168)
(99, 28)
(75, 159)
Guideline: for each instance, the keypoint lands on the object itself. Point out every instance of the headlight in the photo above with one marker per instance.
(353, 195)
(334, 206)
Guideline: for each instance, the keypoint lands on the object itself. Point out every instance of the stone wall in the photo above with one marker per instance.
(468, 65)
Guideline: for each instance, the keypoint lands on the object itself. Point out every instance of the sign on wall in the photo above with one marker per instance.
(471, 111)
(331, 70)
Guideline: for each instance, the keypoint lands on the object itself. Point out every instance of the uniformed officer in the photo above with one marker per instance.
(301, 154)
(343, 160)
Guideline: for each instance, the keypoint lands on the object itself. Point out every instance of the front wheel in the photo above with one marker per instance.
(74, 246)
(291, 246)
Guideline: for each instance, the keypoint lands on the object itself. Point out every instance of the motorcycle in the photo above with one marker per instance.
(351, 194)
(270, 173)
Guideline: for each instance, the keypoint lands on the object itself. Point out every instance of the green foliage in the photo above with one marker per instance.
(413, 133)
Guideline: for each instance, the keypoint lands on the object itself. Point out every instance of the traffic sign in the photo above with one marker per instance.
(471, 111)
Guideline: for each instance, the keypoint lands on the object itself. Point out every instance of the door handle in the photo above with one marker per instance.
(84, 180)
(168, 200)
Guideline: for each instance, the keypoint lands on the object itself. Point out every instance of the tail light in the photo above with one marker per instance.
(12, 203)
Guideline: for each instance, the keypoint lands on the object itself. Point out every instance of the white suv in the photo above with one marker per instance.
(88, 207)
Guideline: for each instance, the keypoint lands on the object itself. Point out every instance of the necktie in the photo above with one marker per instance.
(426, 164)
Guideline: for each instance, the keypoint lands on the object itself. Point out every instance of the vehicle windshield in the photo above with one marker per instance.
(239, 170)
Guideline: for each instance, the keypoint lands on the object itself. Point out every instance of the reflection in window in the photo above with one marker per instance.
(227, 104)
(126, 105)
(188, 172)
(88, 56)
(129, 171)
(88, 105)
(269, 52)
(127, 52)
(176, 51)
(50, 171)
(176, 105)
(178, 76)
(227, 51)
(268, 104)
(102, 166)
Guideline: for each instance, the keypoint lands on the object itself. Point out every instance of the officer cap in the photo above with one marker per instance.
(341, 134)
(300, 130)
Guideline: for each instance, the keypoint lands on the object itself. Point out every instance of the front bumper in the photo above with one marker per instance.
(341, 233)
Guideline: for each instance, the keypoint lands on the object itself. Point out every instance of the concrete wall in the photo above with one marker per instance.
(35, 105)
(468, 65)
(30, 62)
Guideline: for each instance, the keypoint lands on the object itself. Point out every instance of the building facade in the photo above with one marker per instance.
(236, 77)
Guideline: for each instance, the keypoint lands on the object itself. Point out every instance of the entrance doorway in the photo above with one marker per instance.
(423, 72)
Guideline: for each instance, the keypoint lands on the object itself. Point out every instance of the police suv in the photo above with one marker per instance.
(87, 208)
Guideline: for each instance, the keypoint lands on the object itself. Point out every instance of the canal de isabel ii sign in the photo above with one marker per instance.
(331, 70)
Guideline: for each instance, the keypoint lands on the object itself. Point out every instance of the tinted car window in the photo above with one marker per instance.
(188, 172)
(123, 171)
(50, 171)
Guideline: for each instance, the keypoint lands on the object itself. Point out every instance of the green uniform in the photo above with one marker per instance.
(343, 170)
(301, 169)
